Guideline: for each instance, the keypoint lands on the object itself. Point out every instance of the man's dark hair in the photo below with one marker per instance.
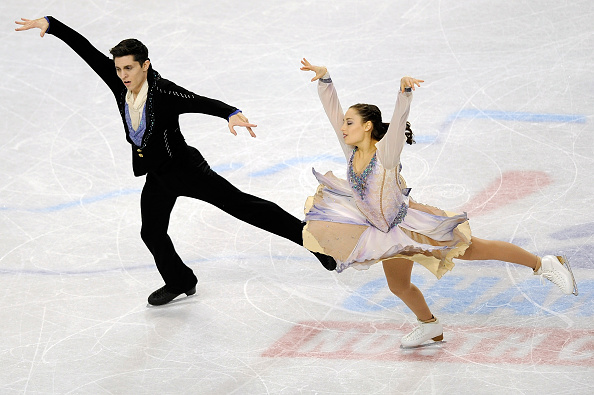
(131, 46)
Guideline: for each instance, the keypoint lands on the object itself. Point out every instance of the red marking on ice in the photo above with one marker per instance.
(511, 186)
(495, 345)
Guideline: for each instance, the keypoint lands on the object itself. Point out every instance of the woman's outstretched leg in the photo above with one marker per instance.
(482, 250)
(398, 272)
(555, 269)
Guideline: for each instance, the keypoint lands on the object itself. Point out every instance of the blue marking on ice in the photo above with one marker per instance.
(516, 116)
(574, 232)
(85, 201)
(295, 161)
(455, 300)
(108, 195)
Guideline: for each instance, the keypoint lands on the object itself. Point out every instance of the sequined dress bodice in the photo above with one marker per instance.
(378, 194)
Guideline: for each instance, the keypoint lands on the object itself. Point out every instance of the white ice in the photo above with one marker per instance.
(504, 125)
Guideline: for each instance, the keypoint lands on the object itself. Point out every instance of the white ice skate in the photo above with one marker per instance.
(557, 270)
(425, 331)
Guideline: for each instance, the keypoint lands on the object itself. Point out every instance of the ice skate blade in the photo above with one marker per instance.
(174, 302)
(435, 343)
(565, 261)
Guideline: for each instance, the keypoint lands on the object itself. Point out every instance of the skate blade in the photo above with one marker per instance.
(565, 261)
(431, 344)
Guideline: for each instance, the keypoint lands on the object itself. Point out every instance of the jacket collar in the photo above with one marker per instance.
(153, 76)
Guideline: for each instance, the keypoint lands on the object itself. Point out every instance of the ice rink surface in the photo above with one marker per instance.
(504, 126)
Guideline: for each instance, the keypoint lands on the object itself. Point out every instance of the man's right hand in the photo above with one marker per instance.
(27, 24)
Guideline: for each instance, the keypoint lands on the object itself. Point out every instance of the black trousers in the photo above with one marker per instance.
(193, 177)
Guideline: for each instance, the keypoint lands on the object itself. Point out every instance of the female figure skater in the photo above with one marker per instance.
(372, 218)
(150, 107)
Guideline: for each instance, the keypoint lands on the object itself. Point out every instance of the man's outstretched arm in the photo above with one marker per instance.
(101, 64)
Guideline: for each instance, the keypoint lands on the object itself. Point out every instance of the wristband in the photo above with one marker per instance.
(48, 22)
(233, 113)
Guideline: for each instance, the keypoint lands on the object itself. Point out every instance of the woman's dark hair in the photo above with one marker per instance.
(370, 112)
(131, 46)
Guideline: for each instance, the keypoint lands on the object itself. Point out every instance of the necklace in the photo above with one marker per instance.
(359, 181)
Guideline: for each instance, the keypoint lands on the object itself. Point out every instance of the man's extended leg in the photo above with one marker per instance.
(258, 212)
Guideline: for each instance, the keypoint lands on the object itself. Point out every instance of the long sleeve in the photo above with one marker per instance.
(390, 146)
(331, 104)
(101, 64)
(182, 101)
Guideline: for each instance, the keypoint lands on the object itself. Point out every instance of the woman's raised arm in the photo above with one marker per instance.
(390, 146)
(329, 99)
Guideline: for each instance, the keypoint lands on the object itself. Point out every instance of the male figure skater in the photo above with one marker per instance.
(150, 107)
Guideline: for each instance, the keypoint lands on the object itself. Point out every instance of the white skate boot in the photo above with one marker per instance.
(557, 270)
(422, 333)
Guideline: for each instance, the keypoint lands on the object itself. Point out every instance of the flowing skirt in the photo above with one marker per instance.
(336, 227)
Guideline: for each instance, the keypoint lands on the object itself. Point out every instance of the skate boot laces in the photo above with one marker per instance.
(557, 270)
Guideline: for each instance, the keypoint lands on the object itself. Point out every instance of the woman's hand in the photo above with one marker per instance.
(409, 82)
(27, 24)
(319, 70)
(240, 120)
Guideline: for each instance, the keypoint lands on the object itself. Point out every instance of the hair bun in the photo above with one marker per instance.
(409, 134)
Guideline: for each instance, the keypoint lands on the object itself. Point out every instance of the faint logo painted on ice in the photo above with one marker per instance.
(463, 344)
(511, 186)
